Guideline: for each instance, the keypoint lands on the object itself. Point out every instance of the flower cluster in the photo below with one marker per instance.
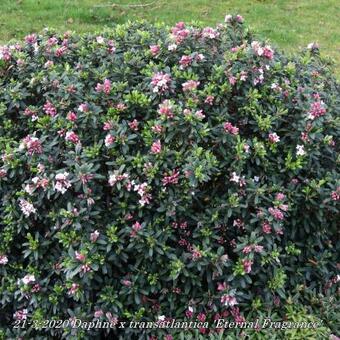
(160, 82)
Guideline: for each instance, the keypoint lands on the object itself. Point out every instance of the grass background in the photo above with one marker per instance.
(290, 24)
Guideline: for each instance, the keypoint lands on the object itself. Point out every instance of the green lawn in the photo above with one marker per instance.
(287, 23)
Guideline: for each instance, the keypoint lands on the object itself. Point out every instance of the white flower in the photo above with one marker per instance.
(3, 259)
(229, 300)
(312, 45)
(235, 178)
(100, 39)
(62, 183)
(161, 318)
(172, 47)
(300, 151)
(29, 189)
(26, 207)
(28, 279)
(61, 177)
(35, 180)
(228, 18)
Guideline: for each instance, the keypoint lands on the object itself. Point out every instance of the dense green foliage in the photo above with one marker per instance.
(153, 173)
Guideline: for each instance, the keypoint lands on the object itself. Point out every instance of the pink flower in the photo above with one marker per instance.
(5, 53)
(199, 114)
(166, 109)
(109, 140)
(50, 109)
(276, 213)
(3, 173)
(157, 128)
(199, 57)
(238, 223)
(154, 49)
(266, 228)
(160, 82)
(107, 126)
(210, 33)
(257, 48)
(20, 314)
(247, 265)
(196, 254)
(201, 317)
(60, 51)
(73, 289)
(26, 207)
(94, 236)
(30, 113)
(62, 183)
(32, 144)
(222, 286)
(142, 190)
(335, 195)
(268, 52)
(317, 109)
(72, 137)
(116, 177)
(185, 61)
(133, 125)
(29, 278)
(229, 300)
(284, 207)
(273, 138)
(83, 107)
(85, 268)
(31, 39)
(105, 87)
(179, 32)
(189, 312)
(280, 196)
(265, 51)
(239, 18)
(247, 249)
(304, 136)
(156, 147)
(257, 248)
(98, 313)
(112, 319)
(190, 85)
(52, 41)
(79, 256)
(136, 227)
(127, 283)
(209, 100)
(111, 47)
(171, 179)
(228, 127)
(243, 76)
(3, 259)
(36, 288)
(71, 116)
(232, 80)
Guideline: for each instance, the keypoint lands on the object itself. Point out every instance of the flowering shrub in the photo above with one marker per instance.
(149, 173)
